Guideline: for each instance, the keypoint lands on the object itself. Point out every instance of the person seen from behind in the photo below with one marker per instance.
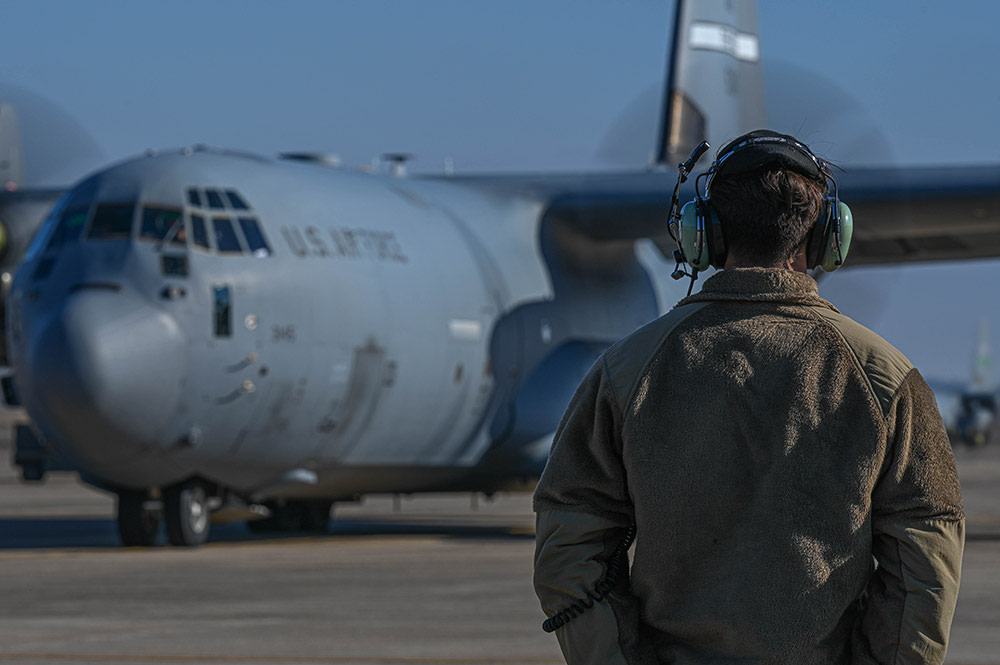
(785, 470)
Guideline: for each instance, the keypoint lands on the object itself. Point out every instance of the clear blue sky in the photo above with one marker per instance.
(515, 86)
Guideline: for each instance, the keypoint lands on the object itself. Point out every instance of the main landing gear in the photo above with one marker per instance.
(183, 507)
(189, 508)
(138, 518)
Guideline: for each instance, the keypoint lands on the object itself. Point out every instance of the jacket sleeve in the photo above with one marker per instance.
(583, 511)
(918, 527)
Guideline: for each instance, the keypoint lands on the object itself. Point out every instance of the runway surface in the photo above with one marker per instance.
(445, 579)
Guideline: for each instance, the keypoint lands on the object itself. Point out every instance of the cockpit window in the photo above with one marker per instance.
(235, 202)
(199, 234)
(162, 224)
(77, 198)
(223, 221)
(69, 227)
(112, 220)
(214, 199)
(225, 235)
(254, 237)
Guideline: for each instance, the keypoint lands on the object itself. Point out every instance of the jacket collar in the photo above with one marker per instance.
(777, 285)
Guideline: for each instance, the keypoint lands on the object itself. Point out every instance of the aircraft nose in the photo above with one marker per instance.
(104, 371)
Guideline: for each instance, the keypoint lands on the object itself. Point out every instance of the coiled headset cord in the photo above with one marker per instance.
(616, 563)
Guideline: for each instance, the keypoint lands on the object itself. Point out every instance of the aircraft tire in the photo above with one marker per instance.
(33, 471)
(315, 516)
(186, 513)
(137, 526)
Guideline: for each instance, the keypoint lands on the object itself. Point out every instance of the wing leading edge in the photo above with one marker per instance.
(901, 215)
(923, 214)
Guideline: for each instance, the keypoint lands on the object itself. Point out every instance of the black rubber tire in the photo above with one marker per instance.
(315, 516)
(185, 511)
(33, 472)
(137, 526)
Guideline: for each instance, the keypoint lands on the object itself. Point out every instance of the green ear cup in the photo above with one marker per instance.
(693, 241)
(832, 258)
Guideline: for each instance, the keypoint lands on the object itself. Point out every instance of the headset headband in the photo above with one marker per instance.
(763, 147)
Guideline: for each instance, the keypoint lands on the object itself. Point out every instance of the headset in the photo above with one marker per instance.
(699, 235)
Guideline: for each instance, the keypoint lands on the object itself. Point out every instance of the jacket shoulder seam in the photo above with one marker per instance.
(619, 384)
(889, 384)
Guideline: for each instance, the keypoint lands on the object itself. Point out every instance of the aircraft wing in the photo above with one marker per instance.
(900, 215)
(923, 214)
(603, 206)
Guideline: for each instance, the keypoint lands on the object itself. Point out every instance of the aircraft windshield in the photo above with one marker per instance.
(61, 223)
(225, 236)
(254, 237)
(214, 199)
(44, 233)
(112, 220)
(222, 221)
(163, 225)
(198, 232)
(235, 202)
(69, 227)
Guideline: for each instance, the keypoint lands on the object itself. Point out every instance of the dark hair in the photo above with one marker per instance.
(766, 214)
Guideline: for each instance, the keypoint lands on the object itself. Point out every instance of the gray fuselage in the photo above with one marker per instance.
(287, 329)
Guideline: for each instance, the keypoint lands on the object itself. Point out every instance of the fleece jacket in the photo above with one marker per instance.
(789, 477)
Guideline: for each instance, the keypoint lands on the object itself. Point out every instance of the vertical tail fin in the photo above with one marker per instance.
(715, 85)
(11, 160)
(984, 378)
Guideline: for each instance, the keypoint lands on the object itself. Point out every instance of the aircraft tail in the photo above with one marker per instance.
(11, 159)
(715, 85)
(714, 91)
(984, 380)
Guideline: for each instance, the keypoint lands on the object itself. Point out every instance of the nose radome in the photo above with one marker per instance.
(106, 371)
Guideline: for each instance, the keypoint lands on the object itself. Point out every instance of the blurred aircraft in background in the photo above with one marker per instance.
(211, 334)
(970, 409)
(11, 161)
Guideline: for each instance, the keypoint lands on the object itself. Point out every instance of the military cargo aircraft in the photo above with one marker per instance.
(970, 408)
(212, 334)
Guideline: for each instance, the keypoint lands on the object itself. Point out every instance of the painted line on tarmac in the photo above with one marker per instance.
(241, 660)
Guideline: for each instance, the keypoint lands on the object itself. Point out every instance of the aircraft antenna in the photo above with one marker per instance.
(397, 162)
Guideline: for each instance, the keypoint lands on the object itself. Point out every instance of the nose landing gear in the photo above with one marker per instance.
(184, 508)
(186, 513)
(188, 509)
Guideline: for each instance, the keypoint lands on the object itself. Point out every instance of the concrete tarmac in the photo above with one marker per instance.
(436, 579)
